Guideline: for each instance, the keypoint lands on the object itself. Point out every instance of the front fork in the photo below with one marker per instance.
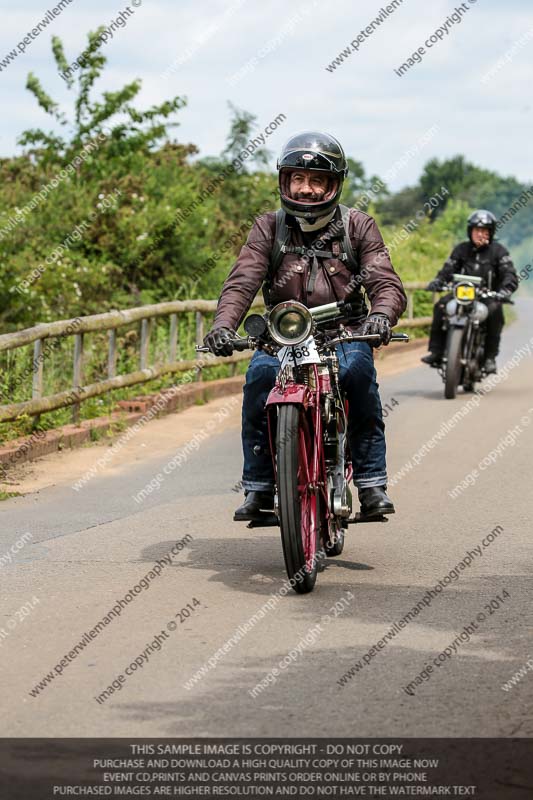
(308, 398)
(451, 322)
(470, 336)
(308, 401)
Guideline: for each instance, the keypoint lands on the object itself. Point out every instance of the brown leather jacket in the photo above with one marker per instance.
(334, 280)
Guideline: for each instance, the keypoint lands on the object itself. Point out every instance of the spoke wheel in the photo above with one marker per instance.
(299, 504)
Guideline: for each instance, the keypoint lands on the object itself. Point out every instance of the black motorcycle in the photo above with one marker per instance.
(464, 357)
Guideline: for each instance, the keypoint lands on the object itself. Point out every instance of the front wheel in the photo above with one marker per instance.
(452, 373)
(298, 499)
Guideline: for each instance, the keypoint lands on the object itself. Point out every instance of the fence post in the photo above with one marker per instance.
(146, 329)
(173, 339)
(78, 373)
(112, 353)
(37, 383)
(199, 340)
(37, 387)
(410, 303)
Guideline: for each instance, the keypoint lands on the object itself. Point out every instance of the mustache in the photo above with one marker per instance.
(314, 196)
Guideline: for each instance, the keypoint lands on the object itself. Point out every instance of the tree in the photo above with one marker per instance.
(241, 132)
(169, 219)
(400, 206)
(479, 188)
(137, 131)
(456, 174)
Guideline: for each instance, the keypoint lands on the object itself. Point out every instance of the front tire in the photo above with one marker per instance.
(452, 374)
(299, 511)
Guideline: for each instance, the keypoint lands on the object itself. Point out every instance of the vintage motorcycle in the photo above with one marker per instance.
(307, 423)
(464, 356)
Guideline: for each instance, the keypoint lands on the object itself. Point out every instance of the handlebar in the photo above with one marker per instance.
(446, 287)
(369, 337)
(248, 342)
(497, 296)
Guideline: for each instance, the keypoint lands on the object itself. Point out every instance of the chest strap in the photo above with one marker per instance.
(317, 252)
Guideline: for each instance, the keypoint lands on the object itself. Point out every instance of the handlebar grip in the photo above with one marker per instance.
(497, 296)
(238, 344)
(241, 344)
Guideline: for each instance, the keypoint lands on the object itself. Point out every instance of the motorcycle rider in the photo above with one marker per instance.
(491, 261)
(313, 270)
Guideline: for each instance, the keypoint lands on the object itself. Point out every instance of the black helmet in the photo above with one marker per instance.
(315, 151)
(482, 219)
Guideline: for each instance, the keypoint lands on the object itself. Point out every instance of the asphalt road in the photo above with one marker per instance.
(89, 548)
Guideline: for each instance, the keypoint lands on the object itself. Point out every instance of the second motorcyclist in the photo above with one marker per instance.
(480, 256)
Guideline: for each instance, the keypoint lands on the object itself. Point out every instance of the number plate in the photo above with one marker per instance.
(305, 353)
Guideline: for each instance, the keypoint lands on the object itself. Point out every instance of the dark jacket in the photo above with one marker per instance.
(491, 262)
(334, 279)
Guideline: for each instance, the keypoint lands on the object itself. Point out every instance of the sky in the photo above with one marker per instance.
(270, 58)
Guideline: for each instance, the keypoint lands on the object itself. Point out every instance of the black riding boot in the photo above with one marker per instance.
(374, 501)
(254, 503)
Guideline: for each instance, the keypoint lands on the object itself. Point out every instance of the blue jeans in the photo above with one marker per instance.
(366, 429)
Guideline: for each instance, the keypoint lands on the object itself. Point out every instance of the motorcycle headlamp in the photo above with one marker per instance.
(290, 323)
(465, 293)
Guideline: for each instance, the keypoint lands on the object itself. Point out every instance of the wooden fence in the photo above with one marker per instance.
(111, 321)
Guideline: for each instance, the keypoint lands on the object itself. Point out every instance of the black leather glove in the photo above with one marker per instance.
(378, 323)
(218, 341)
(434, 286)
